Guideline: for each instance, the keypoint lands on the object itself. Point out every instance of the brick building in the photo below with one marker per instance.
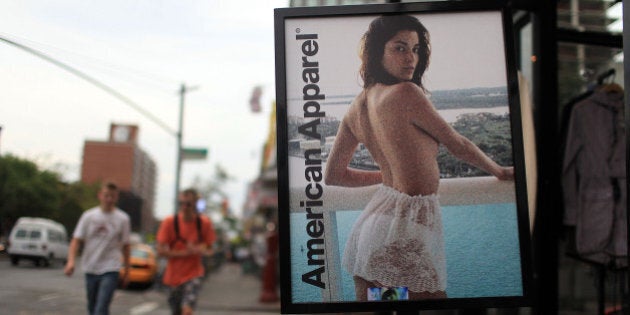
(121, 160)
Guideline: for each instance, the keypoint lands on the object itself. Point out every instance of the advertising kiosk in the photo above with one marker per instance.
(401, 167)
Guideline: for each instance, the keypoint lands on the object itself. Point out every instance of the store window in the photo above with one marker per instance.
(590, 57)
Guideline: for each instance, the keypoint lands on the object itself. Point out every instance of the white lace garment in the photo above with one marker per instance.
(398, 241)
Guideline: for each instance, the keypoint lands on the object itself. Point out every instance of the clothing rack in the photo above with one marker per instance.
(610, 73)
(566, 111)
(601, 268)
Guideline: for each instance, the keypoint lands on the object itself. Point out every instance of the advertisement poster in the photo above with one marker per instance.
(400, 159)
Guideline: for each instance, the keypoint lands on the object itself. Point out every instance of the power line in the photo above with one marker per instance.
(122, 72)
(95, 82)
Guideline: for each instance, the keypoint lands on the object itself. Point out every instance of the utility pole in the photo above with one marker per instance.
(178, 168)
(124, 99)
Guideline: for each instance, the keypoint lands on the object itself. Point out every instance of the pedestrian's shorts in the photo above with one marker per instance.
(184, 295)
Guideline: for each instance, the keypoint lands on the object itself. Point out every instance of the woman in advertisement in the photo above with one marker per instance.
(397, 241)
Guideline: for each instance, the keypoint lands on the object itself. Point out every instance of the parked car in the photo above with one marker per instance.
(40, 240)
(143, 265)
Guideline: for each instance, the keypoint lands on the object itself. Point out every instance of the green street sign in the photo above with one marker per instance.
(194, 153)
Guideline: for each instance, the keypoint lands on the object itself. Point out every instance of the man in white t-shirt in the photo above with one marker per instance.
(103, 231)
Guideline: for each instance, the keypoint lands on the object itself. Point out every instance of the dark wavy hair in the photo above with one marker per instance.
(191, 192)
(381, 30)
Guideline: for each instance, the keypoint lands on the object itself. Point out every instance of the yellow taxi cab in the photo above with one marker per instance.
(143, 265)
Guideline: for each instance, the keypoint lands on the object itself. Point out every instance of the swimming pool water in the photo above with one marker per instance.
(482, 252)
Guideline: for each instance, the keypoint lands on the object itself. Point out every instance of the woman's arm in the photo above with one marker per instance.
(467, 151)
(424, 116)
(337, 171)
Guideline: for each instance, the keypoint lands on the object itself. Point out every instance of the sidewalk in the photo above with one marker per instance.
(230, 291)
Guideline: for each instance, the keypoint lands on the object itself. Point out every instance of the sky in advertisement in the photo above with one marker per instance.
(467, 51)
(144, 50)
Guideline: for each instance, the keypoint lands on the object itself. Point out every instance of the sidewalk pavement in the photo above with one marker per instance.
(229, 291)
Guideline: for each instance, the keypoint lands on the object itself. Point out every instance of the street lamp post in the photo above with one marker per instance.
(182, 91)
(178, 168)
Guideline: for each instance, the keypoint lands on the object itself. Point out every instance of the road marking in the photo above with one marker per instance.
(51, 296)
(143, 308)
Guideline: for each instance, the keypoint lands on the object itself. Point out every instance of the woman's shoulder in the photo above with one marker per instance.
(404, 89)
(400, 94)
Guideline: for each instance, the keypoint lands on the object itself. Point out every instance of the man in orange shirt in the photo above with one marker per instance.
(184, 238)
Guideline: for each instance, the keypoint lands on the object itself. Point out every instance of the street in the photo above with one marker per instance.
(29, 290)
(26, 289)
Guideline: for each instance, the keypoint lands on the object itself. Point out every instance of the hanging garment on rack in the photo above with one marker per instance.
(594, 177)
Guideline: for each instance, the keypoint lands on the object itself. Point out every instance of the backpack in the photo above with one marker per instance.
(176, 226)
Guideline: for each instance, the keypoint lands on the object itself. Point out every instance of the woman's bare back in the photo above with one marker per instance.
(405, 152)
(402, 130)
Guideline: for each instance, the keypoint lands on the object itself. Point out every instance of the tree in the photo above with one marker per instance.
(491, 133)
(213, 189)
(28, 191)
(75, 198)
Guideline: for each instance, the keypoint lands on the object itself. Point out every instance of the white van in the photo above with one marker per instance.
(40, 240)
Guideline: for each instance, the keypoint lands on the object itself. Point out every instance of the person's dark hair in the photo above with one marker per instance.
(191, 192)
(381, 30)
(109, 186)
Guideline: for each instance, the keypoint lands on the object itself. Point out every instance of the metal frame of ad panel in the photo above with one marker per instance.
(401, 173)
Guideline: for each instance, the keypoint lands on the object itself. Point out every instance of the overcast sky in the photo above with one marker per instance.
(144, 49)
